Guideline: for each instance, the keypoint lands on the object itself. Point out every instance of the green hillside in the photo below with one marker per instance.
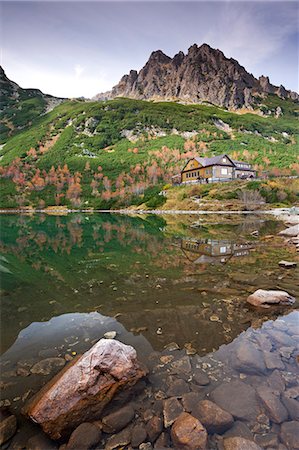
(121, 152)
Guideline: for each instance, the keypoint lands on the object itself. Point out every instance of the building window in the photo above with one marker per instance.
(223, 171)
(222, 249)
(224, 159)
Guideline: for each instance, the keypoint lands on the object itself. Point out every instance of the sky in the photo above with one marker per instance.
(72, 49)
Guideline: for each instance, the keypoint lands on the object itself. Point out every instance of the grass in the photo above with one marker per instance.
(94, 132)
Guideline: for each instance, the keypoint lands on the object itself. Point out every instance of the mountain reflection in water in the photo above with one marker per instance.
(151, 272)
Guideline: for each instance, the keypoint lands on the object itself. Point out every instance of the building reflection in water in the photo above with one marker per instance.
(214, 250)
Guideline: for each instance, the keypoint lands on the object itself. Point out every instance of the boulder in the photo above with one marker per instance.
(81, 390)
(213, 418)
(86, 436)
(290, 232)
(289, 434)
(188, 433)
(239, 443)
(8, 427)
(265, 299)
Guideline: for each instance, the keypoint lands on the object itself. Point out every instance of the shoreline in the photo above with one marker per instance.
(294, 210)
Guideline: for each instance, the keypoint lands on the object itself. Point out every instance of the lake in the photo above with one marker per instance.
(154, 280)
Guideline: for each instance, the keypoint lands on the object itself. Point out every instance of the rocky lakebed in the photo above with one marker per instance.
(214, 378)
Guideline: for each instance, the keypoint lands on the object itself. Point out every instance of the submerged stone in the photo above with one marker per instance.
(237, 398)
(214, 418)
(117, 420)
(188, 433)
(289, 434)
(81, 391)
(85, 437)
(239, 443)
(274, 407)
(8, 427)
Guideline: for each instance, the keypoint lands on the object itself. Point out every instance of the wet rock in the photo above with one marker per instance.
(172, 346)
(290, 232)
(8, 427)
(293, 392)
(110, 334)
(289, 434)
(265, 299)
(47, 353)
(139, 435)
(162, 442)
(237, 398)
(47, 366)
(292, 407)
(171, 410)
(239, 429)
(191, 400)
(273, 361)
(274, 407)
(154, 428)
(85, 436)
(287, 264)
(146, 446)
(213, 418)
(200, 378)
(117, 420)
(178, 388)
(81, 391)
(248, 358)
(119, 440)
(188, 433)
(267, 440)
(239, 443)
(181, 365)
(276, 382)
(40, 442)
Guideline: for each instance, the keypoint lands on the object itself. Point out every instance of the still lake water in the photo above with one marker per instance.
(66, 280)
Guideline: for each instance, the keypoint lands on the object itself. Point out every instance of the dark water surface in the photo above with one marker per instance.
(65, 281)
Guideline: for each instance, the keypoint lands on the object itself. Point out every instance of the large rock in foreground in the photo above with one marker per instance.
(80, 392)
(265, 299)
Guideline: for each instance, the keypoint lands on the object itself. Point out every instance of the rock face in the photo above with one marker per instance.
(81, 391)
(187, 433)
(265, 299)
(204, 74)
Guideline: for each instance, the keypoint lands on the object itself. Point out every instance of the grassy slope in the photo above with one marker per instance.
(100, 141)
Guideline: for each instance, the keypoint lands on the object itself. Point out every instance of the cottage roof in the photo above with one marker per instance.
(205, 162)
(242, 163)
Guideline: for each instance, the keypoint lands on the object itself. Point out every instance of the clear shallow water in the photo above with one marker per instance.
(65, 281)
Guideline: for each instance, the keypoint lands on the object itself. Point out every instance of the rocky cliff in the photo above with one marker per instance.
(204, 74)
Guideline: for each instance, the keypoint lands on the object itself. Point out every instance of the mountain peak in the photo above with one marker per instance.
(204, 74)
